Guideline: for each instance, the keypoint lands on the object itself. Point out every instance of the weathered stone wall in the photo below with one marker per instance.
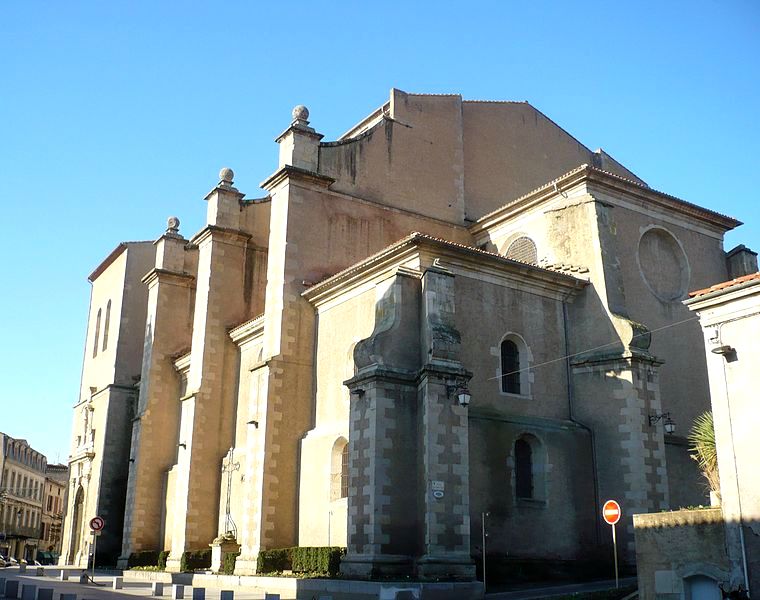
(672, 547)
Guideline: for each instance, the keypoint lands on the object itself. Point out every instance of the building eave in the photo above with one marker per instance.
(418, 245)
(108, 260)
(611, 181)
(722, 295)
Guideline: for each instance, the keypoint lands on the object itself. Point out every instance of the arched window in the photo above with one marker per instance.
(515, 377)
(106, 325)
(524, 250)
(529, 469)
(97, 334)
(523, 469)
(339, 470)
(510, 367)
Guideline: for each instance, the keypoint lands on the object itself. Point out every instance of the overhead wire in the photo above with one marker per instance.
(600, 347)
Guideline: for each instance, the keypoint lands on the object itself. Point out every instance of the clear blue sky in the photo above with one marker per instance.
(115, 115)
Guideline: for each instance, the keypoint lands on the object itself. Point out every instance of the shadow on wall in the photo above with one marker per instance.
(696, 554)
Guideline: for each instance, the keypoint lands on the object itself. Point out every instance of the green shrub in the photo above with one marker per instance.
(228, 562)
(273, 561)
(162, 556)
(322, 560)
(145, 558)
(199, 559)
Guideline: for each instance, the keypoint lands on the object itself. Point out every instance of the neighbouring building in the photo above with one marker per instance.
(21, 492)
(104, 411)
(454, 309)
(53, 509)
(689, 554)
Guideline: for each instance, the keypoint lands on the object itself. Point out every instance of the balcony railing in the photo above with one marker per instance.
(20, 531)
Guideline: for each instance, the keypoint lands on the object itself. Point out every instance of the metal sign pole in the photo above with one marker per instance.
(94, 550)
(614, 550)
(483, 528)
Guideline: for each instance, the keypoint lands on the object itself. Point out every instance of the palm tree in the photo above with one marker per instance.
(702, 439)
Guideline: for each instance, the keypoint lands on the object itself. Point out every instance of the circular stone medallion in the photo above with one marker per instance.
(663, 264)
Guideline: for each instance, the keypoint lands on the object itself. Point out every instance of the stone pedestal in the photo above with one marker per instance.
(222, 545)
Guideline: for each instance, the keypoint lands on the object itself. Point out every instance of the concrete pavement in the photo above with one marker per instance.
(130, 590)
(535, 593)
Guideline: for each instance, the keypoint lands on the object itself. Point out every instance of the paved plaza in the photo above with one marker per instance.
(102, 589)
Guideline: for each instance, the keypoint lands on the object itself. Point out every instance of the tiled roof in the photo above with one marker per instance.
(725, 285)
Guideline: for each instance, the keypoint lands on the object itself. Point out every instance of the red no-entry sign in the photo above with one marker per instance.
(611, 512)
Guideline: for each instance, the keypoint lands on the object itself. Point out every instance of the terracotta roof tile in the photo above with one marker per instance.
(725, 284)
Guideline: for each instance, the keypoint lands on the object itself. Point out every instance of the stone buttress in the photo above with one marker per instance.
(408, 501)
(284, 377)
(207, 409)
(171, 285)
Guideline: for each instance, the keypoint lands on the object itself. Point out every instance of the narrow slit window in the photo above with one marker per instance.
(97, 334)
(106, 325)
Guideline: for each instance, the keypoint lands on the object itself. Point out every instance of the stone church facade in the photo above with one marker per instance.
(456, 311)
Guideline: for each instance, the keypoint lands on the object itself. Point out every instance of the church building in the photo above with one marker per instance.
(454, 318)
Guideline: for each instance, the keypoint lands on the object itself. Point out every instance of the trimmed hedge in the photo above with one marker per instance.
(190, 561)
(228, 562)
(162, 556)
(274, 561)
(322, 560)
(145, 558)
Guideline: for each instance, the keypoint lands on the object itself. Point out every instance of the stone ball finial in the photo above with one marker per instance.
(172, 225)
(300, 113)
(226, 175)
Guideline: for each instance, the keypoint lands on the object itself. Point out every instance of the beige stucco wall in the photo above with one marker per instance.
(731, 318)
(340, 326)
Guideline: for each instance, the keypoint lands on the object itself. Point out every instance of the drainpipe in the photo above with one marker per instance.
(733, 452)
(570, 399)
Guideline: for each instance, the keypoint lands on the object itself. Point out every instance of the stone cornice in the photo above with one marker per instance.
(486, 414)
(182, 363)
(307, 131)
(170, 277)
(608, 181)
(298, 174)
(427, 251)
(226, 189)
(608, 360)
(244, 332)
(223, 233)
(408, 377)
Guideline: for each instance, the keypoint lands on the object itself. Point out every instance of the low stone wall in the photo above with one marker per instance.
(306, 589)
(674, 548)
